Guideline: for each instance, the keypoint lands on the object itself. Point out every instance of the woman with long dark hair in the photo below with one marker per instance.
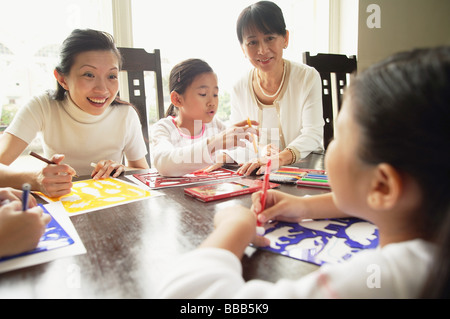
(83, 120)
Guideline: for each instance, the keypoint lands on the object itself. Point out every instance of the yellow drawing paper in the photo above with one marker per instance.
(89, 195)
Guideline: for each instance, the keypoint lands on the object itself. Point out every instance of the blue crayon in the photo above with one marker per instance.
(26, 188)
(317, 176)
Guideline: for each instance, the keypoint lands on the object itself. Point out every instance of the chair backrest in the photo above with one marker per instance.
(326, 64)
(135, 63)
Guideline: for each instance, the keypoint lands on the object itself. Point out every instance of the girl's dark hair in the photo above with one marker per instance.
(403, 108)
(80, 41)
(264, 16)
(182, 75)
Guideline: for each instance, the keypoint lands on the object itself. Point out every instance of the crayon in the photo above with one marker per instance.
(314, 180)
(254, 140)
(39, 157)
(265, 187)
(25, 195)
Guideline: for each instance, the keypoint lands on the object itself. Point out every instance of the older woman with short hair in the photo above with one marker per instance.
(283, 96)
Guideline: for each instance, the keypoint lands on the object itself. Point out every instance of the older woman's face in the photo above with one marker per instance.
(264, 51)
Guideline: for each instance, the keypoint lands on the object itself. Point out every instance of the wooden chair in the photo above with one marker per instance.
(326, 64)
(135, 63)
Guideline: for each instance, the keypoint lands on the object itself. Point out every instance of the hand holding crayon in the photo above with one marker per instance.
(55, 180)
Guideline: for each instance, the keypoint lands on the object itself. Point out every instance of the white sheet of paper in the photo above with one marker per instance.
(242, 155)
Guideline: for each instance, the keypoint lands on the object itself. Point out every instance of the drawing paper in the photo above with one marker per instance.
(321, 241)
(90, 195)
(242, 155)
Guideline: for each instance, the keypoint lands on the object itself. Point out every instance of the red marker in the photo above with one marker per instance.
(265, 187)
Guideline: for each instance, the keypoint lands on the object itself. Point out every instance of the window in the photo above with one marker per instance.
(31, 33)
(208, 32)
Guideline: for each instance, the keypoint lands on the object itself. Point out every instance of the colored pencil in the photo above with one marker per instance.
(39, 157)
(265, 187)
(253, 136)
(26, 188)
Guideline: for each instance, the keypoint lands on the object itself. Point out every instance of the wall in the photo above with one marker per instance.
(402, 25)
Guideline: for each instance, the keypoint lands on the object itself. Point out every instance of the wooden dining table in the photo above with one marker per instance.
(130, 247)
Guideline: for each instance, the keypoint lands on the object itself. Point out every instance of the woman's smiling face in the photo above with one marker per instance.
(92, 82)
(264, 51)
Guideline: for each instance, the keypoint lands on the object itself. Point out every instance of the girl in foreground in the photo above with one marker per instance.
(385, 165)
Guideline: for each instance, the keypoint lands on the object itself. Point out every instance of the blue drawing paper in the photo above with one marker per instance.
(54, 237)
(321, 241)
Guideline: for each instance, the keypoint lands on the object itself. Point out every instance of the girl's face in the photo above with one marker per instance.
(200, 100)
(264, 51)
(92, 82)
(349, 177)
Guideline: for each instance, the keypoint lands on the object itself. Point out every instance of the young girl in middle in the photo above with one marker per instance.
(190, 137)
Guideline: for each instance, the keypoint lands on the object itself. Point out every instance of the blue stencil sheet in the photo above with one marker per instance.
(54, 237)
(322, 241)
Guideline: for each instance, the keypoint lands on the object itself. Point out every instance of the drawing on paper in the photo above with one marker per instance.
(89, 195)
(321, 241)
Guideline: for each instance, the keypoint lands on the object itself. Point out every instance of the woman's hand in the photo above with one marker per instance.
(107, 168)
(270, 151)
(260, 165)
(55, 180)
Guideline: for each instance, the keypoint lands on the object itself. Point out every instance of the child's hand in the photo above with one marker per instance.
(231, 138)
(235, 228)
(279, 206)
(242, 222)
(20, 231)
(221, 159)
(244, 123)
(211, 168)
(106, 168)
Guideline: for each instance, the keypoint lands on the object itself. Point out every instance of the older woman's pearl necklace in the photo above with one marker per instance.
(279, 88)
